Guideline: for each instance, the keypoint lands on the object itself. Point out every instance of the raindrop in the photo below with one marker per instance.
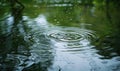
(58, 22)
(55, 19)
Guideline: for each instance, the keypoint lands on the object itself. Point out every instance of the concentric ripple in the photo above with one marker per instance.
(66, 36)
(71, 34)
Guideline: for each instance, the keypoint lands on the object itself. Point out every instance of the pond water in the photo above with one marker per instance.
(60, 36)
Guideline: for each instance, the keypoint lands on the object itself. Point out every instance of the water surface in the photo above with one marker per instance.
(59, 36)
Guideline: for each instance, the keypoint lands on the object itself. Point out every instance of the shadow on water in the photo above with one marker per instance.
(59, 35)
(16, 43)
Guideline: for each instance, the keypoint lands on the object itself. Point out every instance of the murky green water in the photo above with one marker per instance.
(59, 36)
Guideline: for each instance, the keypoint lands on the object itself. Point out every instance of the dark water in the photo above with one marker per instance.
(59, 36)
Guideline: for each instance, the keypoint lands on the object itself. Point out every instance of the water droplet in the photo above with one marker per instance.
(58, 22)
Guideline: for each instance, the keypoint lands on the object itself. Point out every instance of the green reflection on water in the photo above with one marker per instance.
(99, 16)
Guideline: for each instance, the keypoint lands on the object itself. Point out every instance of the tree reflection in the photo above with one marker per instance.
(18, 28)
(10, 27)
(12, 38)
(108, 45)
(14, 46)
(15, 53)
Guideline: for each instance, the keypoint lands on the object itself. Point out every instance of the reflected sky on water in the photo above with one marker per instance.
(60, 36)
